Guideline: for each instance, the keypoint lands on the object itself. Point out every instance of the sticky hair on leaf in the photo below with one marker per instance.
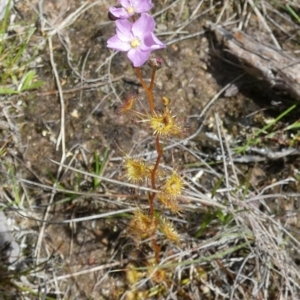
(168, 229)
(156, 274)
(132, 274)
(169, 202)
(128, 103)
(164, 124)
(174, 185)
(136, 170)
(142, 226)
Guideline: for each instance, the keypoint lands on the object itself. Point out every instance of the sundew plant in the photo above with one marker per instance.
(135, 36)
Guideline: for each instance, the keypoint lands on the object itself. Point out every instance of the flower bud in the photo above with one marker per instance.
(165, 101)
(155, 62)
(112, 17)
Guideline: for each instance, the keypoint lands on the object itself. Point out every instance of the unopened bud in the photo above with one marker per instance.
(165, 101)
(155, 62)
(112, 17)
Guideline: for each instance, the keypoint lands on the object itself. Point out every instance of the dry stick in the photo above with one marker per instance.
(165, 8)
(198, 197)
(63, 145)
(82, 73)
(87, 271)
(110, 81)
(70, 19)
(185, 37)
(82, 87)
(225, 4)
(190, 20)
(245, 16)
(264, 23)
(228, 186)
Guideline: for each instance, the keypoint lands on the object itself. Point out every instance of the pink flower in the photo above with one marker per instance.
(130, 7)
(137, 39)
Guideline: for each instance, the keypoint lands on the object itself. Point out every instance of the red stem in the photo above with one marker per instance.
(156, 250)
(153, 173)
(152, 80)
(148, 90)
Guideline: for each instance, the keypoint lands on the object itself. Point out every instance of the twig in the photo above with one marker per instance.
(82, 87)
(264, 23)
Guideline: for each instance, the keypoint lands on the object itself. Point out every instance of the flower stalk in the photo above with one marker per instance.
(135, 36)
(148, 90)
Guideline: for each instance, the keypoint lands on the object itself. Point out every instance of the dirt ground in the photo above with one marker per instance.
(73, 118)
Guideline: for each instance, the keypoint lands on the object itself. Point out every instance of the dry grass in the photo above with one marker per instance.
(239, 236)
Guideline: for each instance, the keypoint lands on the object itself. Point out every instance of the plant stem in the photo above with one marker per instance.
(153, 173)
(156, 250)
(149, 92)
(147, 89)
(152, 80)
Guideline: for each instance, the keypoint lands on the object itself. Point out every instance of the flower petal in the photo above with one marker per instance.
(124, 30)
(119, 12)
(138, 57)
(142, 6)
(151, 42)
(125, 3)
(143, 25)
(116, 44)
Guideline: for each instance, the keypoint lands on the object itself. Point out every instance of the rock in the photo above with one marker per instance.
(9, 249)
